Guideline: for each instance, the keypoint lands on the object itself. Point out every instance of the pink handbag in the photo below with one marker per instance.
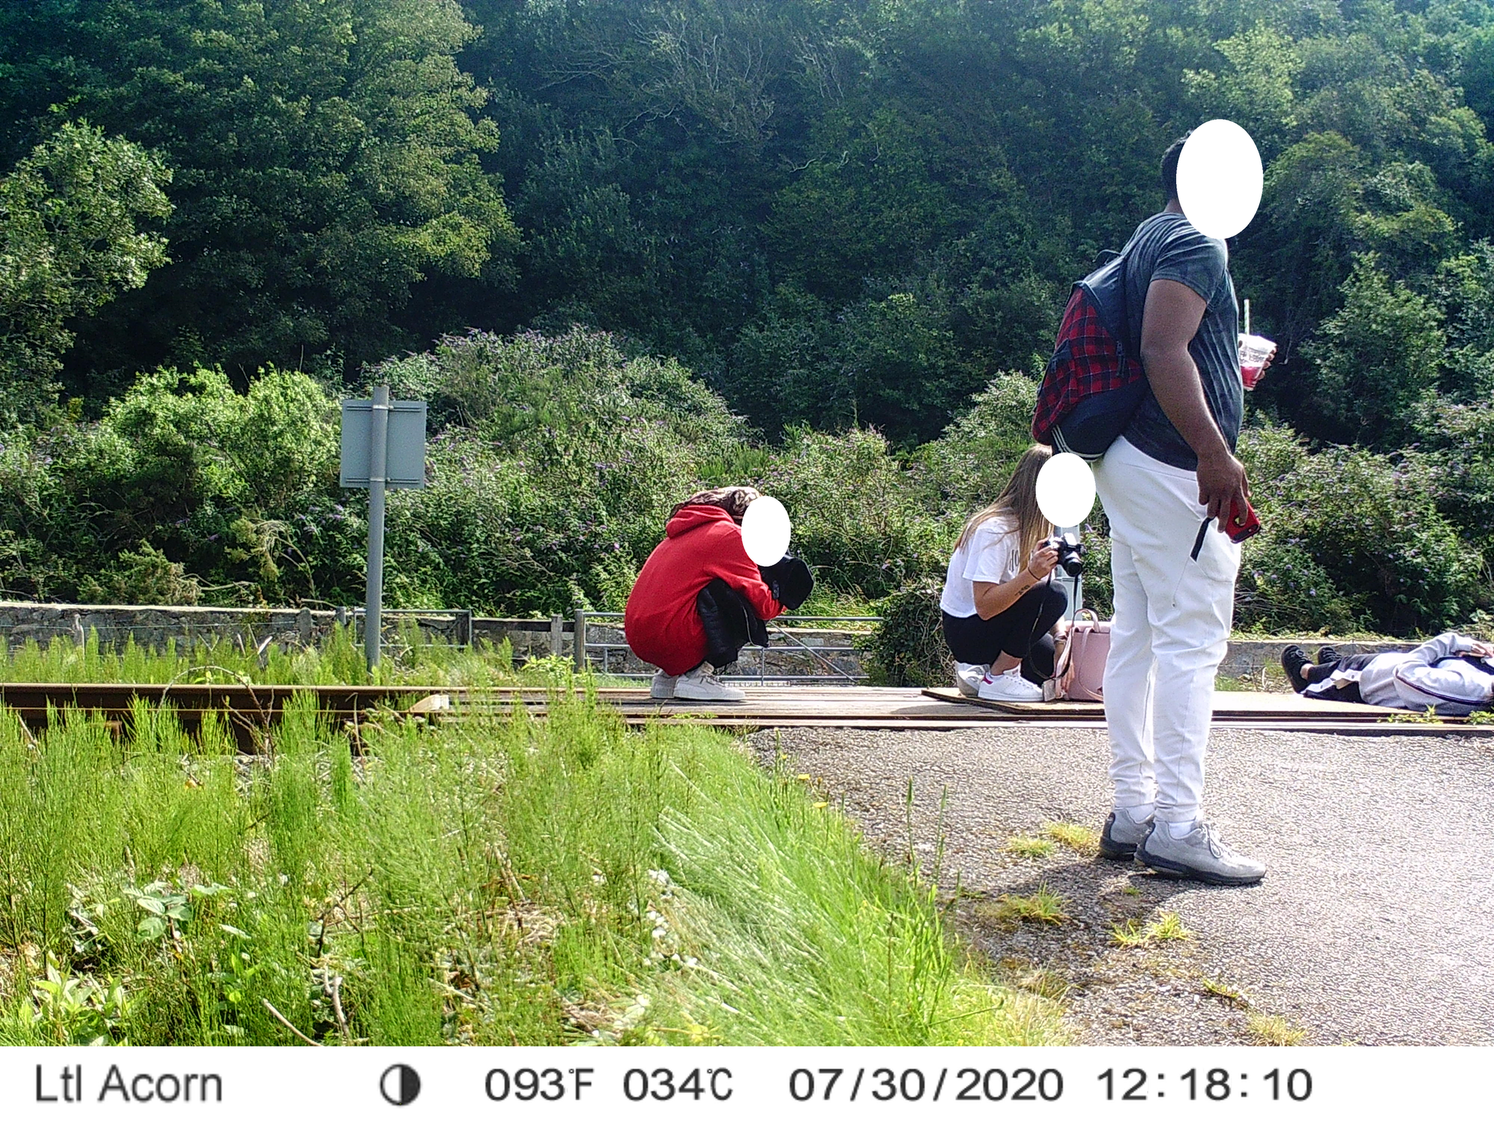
(1079, 667)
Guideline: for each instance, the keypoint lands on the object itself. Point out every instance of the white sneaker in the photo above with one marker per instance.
(662, 686)
(1009, 686)
(968, 678)
(702, 684)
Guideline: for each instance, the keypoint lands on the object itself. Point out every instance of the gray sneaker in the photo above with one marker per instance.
(702, 684)
(1121, 835)
(1200, 855)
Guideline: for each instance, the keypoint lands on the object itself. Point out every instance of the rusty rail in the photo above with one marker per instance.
(251, 711)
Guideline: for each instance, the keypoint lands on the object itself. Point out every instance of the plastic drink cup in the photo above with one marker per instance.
(1254, 351)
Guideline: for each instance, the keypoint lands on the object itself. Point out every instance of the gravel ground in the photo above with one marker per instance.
(1374, 924)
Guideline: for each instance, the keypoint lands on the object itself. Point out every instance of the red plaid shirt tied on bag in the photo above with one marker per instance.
(1091, 357)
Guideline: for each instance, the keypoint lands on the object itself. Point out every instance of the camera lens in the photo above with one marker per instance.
(1071, 557)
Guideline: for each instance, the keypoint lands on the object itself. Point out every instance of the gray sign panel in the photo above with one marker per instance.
(406, 454)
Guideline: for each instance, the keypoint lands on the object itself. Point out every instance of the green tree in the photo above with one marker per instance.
(183, 484)
(556, 465)
(779, 365)
(1353, 538)
(1256, 87)
(1402, 223)
(1464, 292)
(1378, 361)
(971, 461)
(75, 220)
(900, 367)
(860, 520)
(1299, 250)
(327, 160)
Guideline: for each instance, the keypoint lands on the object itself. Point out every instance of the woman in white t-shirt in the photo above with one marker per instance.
(999, 603)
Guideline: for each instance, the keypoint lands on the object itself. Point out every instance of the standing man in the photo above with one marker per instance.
(1174, 570)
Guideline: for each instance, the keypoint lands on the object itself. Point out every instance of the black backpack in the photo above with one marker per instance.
(1094, 382)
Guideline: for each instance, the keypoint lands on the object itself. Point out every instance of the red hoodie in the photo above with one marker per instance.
(700, 543)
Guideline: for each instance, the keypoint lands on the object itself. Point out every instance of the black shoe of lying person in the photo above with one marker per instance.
(1293, 658)
(1327, 655)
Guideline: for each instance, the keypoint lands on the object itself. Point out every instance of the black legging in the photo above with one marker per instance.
(1021, 631)
(1313, 675)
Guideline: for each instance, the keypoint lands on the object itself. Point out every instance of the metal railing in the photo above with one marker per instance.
(460, 628)
(154, 624)
(819, 658)
(438, 627)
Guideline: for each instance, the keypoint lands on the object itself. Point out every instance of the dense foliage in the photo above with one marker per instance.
(860, 210)
(554, 461)
(326, 161)
(69, 243)
(854, 220)
(834, 210)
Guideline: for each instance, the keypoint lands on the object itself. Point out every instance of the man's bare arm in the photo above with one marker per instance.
(1173, 313)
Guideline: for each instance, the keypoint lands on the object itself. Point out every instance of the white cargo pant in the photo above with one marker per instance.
(1172, 621)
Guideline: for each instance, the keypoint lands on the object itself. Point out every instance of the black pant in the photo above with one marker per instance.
(729, 621)
(1349, 692)
(1021, 631)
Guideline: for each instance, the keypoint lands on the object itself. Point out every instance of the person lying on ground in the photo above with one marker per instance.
(1452, 675)
(999, 603)
(700, 598)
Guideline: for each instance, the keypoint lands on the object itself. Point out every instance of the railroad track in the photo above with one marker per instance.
(251, 711)
(944, 709)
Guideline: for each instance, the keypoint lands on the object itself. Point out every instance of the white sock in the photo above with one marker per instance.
(1179, 829)
(1140, 815)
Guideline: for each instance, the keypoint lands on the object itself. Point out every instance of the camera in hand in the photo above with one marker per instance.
(1070, 553)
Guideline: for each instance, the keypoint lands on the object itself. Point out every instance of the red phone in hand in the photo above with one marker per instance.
(1242, 528)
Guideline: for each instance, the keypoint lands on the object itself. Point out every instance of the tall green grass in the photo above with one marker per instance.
(337, 660)
(517, 881)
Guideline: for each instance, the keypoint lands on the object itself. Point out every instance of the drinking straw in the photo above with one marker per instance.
(1247, 317)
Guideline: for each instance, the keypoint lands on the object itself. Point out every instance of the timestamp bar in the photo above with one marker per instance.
(702, 1083)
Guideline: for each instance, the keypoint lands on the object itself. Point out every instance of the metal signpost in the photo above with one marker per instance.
(383, 446)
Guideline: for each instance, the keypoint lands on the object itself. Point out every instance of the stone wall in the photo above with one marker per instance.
(832, 655)
(153, 626)
(794, 652)
(1248, 657)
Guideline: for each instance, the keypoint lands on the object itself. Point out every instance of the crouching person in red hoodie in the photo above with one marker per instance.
(701, 550)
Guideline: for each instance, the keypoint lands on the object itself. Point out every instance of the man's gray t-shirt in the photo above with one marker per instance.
(1167, 247)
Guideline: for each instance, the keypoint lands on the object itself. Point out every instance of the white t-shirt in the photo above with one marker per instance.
(992, 555)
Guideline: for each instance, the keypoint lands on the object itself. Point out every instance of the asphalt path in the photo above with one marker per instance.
(1374, 924)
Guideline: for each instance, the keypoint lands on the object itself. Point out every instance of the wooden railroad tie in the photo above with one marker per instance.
(251, 711)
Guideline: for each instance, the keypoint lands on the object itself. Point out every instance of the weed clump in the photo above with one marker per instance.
(1166, 927)
(1274, 1031)
(1042, 906)
(1081, 838)
(1032, 847)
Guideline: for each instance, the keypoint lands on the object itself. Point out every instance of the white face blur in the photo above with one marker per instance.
(766, 531)
(1065, 490)
(1219, 179)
